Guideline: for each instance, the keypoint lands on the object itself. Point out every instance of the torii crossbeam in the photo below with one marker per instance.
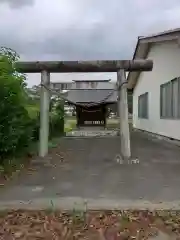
(119, 66)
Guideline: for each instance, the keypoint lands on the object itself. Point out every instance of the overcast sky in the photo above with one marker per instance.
(81, 29)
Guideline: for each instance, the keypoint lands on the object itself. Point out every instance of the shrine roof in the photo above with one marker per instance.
(105, 80)
(91, 95)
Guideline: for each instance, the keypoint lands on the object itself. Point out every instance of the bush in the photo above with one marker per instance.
(15, 123)
(56, 126)
(56, 120)
(34, 114)
(19, 114)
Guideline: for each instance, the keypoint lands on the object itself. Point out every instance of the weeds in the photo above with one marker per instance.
(79, 214)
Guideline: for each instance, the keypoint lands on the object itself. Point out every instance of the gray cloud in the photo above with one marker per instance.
(18, 3)
(91, 29)
(104, 30)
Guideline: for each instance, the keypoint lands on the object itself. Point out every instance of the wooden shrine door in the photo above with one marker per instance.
(91, 116)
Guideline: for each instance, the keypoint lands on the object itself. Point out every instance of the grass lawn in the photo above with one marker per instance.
(70, 124)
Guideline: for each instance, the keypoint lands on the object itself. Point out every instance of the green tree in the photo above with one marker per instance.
(15, 127)
(57, 117)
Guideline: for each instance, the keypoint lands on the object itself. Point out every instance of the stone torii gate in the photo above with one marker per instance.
(119, 66)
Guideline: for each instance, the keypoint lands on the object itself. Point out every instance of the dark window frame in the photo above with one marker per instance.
(170, 99)
(143, 106)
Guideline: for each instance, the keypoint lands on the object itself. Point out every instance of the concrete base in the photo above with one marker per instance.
(95, 128)
(92, 133)
(68, 203)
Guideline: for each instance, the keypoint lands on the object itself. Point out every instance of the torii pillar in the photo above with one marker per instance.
(123, 114)
(44, 113)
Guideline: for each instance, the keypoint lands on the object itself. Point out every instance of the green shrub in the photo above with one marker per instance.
(34, 114)
(15, 123)
(56, 126)
(19, 114)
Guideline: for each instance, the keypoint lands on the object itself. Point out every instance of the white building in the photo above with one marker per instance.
(156, 94)
(82, 84)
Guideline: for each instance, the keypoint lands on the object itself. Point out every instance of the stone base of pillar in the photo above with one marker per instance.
(120, 159)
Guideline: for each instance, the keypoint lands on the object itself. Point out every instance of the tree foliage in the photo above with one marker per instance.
(56, 117)
(19, 113)
(14, 118)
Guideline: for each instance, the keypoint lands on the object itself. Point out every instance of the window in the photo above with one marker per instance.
(86, 85)
(78, 85)
(170, 99)
(62, 86)
(65, 86)
(143, 106)
(93, 84)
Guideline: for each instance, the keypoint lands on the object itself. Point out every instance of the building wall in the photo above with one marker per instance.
(166, 57)
(82, 85)
(92, 85)
(61, 85)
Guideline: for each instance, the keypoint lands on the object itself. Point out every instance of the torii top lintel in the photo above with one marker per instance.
(84, 66)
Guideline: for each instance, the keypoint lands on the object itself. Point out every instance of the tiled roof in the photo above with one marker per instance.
(93, 96)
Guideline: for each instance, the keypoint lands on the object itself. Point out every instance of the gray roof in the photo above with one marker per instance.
(93, 80)
(173, 30)
(91, 95)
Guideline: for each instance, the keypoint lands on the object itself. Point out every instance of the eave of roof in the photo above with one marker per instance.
(104, 80)
(143, 46)
(91, 95)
